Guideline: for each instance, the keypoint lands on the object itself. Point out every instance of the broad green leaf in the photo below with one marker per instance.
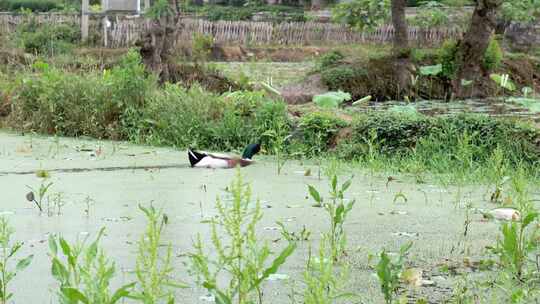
(122, 292)
(334, 182)
(220, 297)
(503, 81)
(278, 261)
(74, 295)
(346, 185)
(14, 249)
(405, 248)
(65, 247)
(314, 194)
(52, 245)
(529, 218)
(58, 271)
(331, 99)
(338, 218)
(431, 70)
(22, 264)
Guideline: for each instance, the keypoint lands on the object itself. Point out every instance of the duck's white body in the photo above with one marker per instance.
(202, 159)
(211, 162)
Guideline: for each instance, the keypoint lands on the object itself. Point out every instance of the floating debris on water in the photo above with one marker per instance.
(397, 212)
(406, 234)
(207, 298)
(117, 219)
(277, 277)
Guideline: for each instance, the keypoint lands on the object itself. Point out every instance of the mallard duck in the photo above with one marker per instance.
(201, 159)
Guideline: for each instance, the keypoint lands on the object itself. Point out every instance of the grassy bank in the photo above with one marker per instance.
(124, 103)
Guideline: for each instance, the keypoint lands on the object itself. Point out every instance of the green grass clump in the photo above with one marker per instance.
(431, 137)
(183, 117)
(318, 128)
(98, 105)
(329, 59)
(341, 77)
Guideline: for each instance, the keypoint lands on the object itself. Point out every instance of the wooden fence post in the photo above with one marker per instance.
(84, 21)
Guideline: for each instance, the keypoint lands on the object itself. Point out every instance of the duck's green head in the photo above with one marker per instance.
(251, 150)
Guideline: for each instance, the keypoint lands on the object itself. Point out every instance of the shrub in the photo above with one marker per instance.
(329, 59)
(448, 51)
(201, 46)
(193, 117)
(277, 13)
(99, 105)
(318, 128)
(46, 39)
(434, 139)
(493, 56)
(430, 17)
(447, 57)
(338, 77)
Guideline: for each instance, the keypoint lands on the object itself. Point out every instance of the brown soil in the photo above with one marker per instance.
(523, 70)
(190, 74)
(12, 57)
(303, 92)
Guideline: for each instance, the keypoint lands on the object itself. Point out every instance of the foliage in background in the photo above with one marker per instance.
(201, 47)
(99, 105)
(126, 103)
(362, 14)
(46, 39)
(277, 13)
(430, 16)
(520, 10)
(329, 59)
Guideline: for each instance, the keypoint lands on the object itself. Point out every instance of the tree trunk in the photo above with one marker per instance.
(158, 43)
(401, 47)
(471, 50)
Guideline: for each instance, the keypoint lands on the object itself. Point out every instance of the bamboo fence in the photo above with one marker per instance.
(125, 31)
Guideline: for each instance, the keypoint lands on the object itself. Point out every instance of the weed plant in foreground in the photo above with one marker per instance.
(240, 258)
(7, 253)
(154, 268)
(85, 272)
